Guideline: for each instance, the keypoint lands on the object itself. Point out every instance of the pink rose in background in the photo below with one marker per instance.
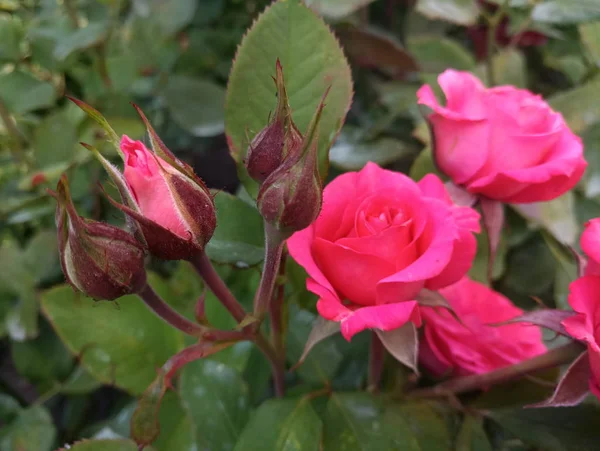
(149, 187)
(503, 143)
(584, 297)
(474, 347)
(379, 240)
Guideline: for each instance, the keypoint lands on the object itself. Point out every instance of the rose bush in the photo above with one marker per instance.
(475, 346)
(503, 143)
(584, 297)
(379, 240)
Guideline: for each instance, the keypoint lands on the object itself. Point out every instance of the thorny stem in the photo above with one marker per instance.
(166, 313)
(206, 270)
(274, 242)
(493, 23)
(551, 359)
(376, 360)
(275, 313)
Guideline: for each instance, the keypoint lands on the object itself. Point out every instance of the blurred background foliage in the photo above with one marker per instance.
(70, 369)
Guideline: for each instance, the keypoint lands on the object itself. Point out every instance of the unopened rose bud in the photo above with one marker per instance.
(98, 259)
(290, 198)
(175, 211)
(270, 146)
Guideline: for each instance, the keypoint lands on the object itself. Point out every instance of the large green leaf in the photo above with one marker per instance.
(55, 139)
(231, 242)
(172, 15)
(217, 399)
(282, 425)
(22, 92)
(31, 430)
(436, 53)
(566, 11)
(553, 429)
(312, 60)
(196, 104)
(361, 422)
(471, 436)
(119, 343)
(82, 38)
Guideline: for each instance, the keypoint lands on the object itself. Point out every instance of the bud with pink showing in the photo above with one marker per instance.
(98, 259)
(290, 198)
(274, 142)
(170, 208)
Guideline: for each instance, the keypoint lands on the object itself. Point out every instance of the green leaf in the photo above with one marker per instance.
(119, 343)
(556, 216)
(471, 436)
(103, 445)
(172, 15)
(461, 12)
(55, 140)
(322, 362)
(31, 430)
(579, 105)
(79, 382)
(479, 268)
(82, 38)
(217, 399)
(358, 421)
(436, 54)
(351, 155)
(335, 9)
(242, 246)
(11, 34)
(423, 165)
(176, 426)
(590, 35)
(282, 425)
(22, 92)
(312, 60)
(558, 429)
(196, 105)
(566, 11)
(41, 256)
(31, 359)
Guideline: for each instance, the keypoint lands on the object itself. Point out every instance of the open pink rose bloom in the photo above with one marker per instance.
(503, 143)
(379, 240)
(478, 345)
(584, 297)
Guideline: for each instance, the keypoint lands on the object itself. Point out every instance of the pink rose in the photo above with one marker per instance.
(174, 209)
(379, 240)
(584, 298)
(503, 143)
(475, 346)
(149, 186)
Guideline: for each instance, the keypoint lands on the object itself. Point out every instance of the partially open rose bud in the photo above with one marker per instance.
(290, 198)
(174, 209)
(98, 259)
(270, 146)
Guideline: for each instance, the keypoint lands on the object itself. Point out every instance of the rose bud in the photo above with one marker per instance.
(269, 147)
(290, 198)
(98, 259)
(173, 207)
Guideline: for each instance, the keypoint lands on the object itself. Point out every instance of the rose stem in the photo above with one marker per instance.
(275, 313)
(376, 359)
(205, 269)
(550, 359)
(274, 242)
(493, 23)
(166, 313)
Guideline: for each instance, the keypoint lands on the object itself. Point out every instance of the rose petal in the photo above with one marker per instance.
(354, 275)
(590, 243)
(583, 297)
